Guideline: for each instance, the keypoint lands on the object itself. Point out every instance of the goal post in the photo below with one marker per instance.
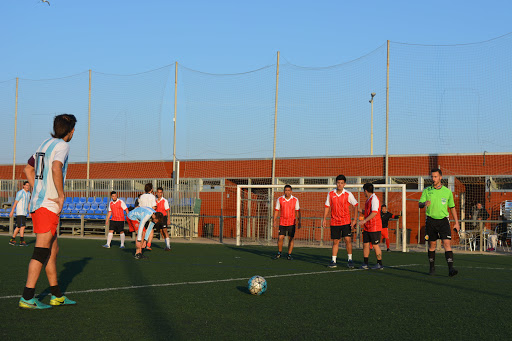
(309, 196)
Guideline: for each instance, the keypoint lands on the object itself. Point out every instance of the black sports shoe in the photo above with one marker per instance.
(276, 256)
(350, 264)
(432, 271)
(452, 272)
(332, 265)
(289, 257)
(388, 250)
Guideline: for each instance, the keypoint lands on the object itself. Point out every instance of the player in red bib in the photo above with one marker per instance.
(372, 227)
(162, 206)
(288, 211)
(116, 210)
(339, 202)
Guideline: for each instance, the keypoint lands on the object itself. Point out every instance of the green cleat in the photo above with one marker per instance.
(61, 301)
(33, 303)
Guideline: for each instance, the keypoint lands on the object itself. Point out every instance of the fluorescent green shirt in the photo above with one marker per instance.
(440, 200)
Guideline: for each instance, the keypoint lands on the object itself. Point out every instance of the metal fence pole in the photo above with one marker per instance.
(13, 186)
(174, 121)
(387, 125)
(88, 138)
(271, 201)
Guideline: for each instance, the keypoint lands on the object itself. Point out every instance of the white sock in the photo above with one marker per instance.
(350, 256)
(122, 239)
(109, 238)
(334, 258)
(168, 242)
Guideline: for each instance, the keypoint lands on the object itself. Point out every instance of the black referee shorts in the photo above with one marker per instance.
(437, 229)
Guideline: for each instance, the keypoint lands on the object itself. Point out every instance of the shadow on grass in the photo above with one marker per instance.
(243, 289)
(66, 276)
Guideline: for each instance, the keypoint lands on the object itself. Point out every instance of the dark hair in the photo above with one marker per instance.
(159, 216)
(113, 192)
(160, 189)
(287, 186)
(368, 187)
(341, 177)
(63, 125)
(383, 205)
(148, 187)
(25, 182)
(433, 170)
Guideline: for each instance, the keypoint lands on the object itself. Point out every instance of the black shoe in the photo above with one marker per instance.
(350, 264)
(289, 257)
(432, 271)
(452, 272)
(332, 265)
(388, 250)
(276, 256)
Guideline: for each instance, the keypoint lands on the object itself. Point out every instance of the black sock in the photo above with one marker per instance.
(28, 293)
(366, 260)
(449, 258)
(22, 239)
(432, 258)
(55, 290)
(379, 261)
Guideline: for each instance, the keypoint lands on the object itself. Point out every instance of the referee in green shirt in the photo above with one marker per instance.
(437, 198)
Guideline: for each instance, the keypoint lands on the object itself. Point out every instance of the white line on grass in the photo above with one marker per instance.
(211, 281)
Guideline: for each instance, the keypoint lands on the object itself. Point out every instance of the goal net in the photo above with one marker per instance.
(256, 204)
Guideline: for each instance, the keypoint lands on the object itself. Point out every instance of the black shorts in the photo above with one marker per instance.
(21, 220)
(287, 230)
(116, 226)
(159, 226)
(337, 232)
(371, 237)
(437, 229)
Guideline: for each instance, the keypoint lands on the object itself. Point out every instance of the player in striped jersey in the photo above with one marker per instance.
(288, 211)
(162, 206)
(21, 205)
(46, 173)
(372, 227)
(339, 202)
(116, 210)
(137, 218)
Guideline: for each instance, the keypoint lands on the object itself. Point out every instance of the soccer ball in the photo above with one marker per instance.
(257, 285)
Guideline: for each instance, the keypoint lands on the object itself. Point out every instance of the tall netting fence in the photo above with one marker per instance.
(284, 124)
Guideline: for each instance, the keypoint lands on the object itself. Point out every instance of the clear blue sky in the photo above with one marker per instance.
(450, 90)
(128, 36)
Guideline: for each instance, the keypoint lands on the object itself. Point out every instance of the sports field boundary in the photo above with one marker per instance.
(215, 281)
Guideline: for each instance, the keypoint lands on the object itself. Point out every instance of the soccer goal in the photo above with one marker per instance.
(255, 205)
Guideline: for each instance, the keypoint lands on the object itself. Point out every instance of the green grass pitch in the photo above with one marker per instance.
(198, 292)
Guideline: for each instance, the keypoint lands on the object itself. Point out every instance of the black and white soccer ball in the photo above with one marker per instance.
(257, 285)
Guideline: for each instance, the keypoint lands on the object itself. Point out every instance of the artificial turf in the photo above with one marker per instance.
(198, 292)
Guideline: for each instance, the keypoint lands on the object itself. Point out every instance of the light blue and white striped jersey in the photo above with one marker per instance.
(142, 214)
(23, 199)
(44, 188)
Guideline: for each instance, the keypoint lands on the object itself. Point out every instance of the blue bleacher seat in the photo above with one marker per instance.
(86, 206)
(94, 206)
(105, 200)
(2, 213)
(71, 206)
(130, 201)
(83, 213)
(76, 200)
(66, 214)
(68, 200)
(90, 214)
(78, 206)
(83, 200)
(100, 214)
(75, 214)
(123, 199)
(102, 207)
(90, 200)
(98, 200)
